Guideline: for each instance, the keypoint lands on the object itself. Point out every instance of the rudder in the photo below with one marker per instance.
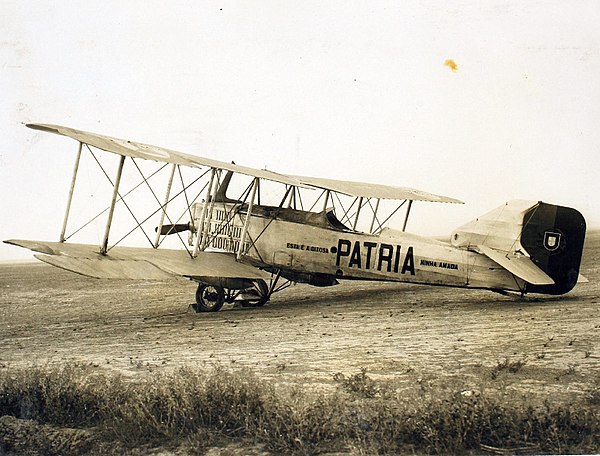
(554, 237)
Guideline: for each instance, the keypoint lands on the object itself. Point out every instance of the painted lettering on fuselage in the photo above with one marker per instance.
(373, 256)
(439, 264)
(307, 248)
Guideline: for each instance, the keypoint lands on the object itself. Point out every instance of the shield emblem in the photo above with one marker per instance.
(551, 240)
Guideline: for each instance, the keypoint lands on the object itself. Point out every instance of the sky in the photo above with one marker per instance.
(484, 101)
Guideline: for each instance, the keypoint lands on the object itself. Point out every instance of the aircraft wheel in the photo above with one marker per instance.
(262, 295)
(209, 298)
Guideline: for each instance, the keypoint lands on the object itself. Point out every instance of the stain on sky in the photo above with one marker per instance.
(452, 65)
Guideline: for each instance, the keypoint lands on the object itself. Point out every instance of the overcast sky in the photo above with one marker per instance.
(345, 89)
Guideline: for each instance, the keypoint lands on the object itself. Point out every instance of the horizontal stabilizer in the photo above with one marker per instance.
(519, 265)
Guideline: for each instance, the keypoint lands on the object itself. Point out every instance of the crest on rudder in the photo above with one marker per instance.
(551, 240)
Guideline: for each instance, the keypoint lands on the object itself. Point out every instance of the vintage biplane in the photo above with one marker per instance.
(243, 249)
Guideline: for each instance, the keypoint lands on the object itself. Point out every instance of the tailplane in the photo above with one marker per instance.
(538, 242)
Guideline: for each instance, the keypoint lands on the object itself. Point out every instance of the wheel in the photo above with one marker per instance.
(261, 290)
(209, 298)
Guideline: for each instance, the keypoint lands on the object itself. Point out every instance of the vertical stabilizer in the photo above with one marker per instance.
(554, 236)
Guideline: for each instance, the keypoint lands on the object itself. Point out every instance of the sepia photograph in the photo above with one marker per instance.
(273, 227)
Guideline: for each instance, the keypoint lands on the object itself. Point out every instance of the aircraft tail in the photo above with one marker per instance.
(539, 242)
(554, 237)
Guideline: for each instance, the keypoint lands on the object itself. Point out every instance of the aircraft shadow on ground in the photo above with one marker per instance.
(399, 296)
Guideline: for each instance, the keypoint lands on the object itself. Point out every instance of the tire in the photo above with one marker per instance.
(262, 295)
(209, 298)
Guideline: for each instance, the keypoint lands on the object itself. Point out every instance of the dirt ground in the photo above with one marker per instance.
(415, 335)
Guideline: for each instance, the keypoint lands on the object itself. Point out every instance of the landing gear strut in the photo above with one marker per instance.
(257, 296)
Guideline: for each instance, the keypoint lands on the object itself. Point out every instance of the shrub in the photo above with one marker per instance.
(197, 407)
(360, 384)
(66, 396)
(512, 366)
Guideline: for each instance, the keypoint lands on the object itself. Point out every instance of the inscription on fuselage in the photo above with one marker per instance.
(307, 248)
(371, 255)
(439, 264)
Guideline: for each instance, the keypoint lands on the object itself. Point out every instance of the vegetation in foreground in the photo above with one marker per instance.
(77, 409)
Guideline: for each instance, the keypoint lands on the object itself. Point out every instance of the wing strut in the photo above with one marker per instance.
(211, 208)
(407, 214)
(374, 215)
(71, 191)
(292, 200)
(360, 204)
(247, 220)
(327, 193)
(113, 202)
(380, 227)
(163, 213)
(200, 228)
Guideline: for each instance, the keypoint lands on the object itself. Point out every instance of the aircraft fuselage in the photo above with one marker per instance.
(313, 246)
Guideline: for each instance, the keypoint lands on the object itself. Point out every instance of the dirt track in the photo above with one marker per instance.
(414, 334)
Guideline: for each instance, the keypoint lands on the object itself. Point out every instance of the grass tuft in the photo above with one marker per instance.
(508, 365)
(197, 408)
(360, 384)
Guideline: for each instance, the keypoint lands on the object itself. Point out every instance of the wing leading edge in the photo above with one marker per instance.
(367, 190)
(149, 152)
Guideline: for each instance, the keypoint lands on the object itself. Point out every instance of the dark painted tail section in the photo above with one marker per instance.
(554, 237)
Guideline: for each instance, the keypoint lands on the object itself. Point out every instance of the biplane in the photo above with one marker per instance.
(242, 248)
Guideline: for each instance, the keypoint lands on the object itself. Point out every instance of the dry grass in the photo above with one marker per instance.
(507, 365)
(195, 409)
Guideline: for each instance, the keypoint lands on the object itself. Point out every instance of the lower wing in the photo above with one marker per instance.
(139, 263)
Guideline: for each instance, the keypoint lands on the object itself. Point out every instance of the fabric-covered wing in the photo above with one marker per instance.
(139, 263)
(106, 268)
(366, 190)
(148, 152)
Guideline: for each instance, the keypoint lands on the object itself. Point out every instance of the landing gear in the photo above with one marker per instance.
(257, 296)
(209, 298)
(247, 293)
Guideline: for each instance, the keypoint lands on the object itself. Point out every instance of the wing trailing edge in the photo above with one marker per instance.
(106, 268)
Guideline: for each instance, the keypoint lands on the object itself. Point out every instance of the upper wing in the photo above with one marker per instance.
(366, 190)
(139, 263)
(148, 152)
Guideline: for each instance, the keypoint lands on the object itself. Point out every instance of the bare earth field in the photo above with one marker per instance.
(415, 335)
